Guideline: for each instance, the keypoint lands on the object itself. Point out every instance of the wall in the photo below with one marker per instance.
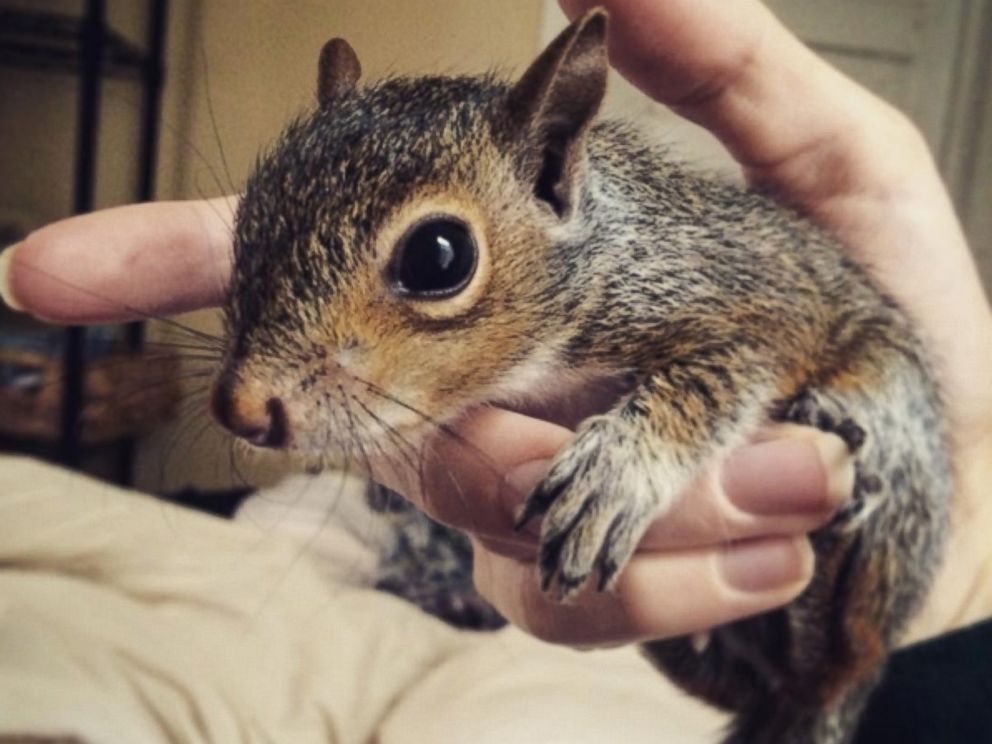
(969, 147)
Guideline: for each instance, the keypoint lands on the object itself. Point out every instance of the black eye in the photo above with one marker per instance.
(437, 258)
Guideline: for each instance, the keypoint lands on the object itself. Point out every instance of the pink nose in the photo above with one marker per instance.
(257, 419)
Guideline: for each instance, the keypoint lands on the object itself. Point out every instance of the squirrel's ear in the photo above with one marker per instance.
(555, 101)
(337, 71)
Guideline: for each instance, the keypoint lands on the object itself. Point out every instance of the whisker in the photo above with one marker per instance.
(213, 341)
(356, 438)
(440, 426)
(176, 133)
(186, 423)
(169, 345)
(205, 426)
(178, 436)
(419, 468)
(234, 462)
(225, 219)
(213, 118)
(462, 498)
(126, 395)
(394, 435)
(305, 548)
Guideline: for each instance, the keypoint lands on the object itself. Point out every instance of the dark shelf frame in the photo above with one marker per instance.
(55, 42)
(86, 47)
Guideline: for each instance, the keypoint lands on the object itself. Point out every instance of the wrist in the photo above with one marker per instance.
(962, 588)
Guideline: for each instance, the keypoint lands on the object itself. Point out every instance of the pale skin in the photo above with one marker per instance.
(736, 544)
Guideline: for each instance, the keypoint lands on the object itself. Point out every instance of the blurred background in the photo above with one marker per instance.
(105, 103)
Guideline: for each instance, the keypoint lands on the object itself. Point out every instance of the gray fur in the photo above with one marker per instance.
(719, 309)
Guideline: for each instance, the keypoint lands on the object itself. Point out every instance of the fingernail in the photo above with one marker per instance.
(794, 475)
(6, 260)
(763, 565)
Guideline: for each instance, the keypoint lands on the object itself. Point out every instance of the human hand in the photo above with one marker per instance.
(820, 142)
(143, 260)
(151, 259)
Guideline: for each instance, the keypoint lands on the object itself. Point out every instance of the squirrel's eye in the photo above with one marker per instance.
(435, 259)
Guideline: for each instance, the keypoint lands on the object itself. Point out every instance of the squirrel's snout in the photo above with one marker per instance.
(258, 419)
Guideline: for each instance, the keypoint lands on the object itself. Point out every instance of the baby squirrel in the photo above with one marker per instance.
(420, 246)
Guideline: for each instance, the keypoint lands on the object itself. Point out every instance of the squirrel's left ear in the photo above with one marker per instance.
(337, 71)
(554, 103)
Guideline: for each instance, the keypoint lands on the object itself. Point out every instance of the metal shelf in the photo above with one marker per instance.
(85, 47)
(53, 42)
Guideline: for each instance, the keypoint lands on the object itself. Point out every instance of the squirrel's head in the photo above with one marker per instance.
(391, 251)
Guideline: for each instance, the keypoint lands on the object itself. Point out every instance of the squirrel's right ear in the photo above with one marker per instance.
(337, 71)
(553, 104)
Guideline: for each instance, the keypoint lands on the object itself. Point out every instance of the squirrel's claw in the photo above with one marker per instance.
(537, 504)
(597, 500)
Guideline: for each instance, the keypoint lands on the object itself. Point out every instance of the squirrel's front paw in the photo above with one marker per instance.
(597, 499)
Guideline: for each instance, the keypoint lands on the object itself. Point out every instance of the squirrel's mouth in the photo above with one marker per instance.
(364, 434)
(357, 452)
(365, 443)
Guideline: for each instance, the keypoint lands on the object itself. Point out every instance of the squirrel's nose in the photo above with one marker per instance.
(258, 419)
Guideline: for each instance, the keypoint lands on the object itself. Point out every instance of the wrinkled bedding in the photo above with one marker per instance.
(125, 619)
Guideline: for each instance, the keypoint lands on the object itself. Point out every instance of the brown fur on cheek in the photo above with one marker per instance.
(443, 355)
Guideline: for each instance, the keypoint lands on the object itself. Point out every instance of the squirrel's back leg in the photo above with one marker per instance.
(804, 673)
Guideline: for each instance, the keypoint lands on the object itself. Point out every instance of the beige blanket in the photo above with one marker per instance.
(127, 620)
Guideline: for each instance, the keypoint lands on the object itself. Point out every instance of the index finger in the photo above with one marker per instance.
(465, 476)
(475, 475)
(129, 263)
